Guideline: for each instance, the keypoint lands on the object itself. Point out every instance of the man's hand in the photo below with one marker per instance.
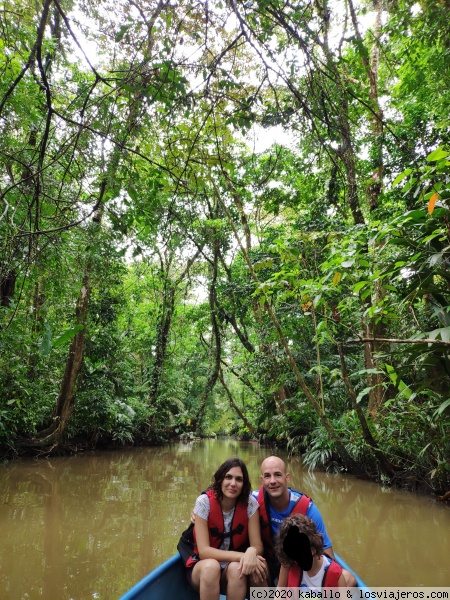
(260, 577)
(249, 562)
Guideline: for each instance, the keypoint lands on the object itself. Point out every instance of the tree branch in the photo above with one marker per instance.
(397, 341)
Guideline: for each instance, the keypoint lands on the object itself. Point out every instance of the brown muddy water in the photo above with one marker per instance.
(91, 526)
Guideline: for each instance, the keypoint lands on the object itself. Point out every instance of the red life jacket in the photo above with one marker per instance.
(300, 507)
(238, 529)
(330, 578)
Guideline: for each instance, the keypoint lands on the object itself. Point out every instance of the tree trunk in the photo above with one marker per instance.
(215, 345)
(7, 287)
(164, 326)
(386, 467)
(372, 329)
(38, 303)
(236, 407)
(53, 436)
(65, 402)
(162, 339)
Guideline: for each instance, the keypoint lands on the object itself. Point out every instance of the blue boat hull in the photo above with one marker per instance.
(168, 582)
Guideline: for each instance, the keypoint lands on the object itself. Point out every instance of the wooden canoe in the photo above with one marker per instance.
(168, 582)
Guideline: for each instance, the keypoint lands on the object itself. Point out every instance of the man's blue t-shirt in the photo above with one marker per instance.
(312, 513)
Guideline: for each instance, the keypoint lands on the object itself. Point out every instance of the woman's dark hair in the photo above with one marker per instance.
(219, 476)
(304, 525)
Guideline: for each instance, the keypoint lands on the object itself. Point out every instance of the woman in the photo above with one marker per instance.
(228, 546)
(303, 563)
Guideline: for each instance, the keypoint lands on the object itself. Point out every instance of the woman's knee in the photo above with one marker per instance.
(234, 573)
(210, 571)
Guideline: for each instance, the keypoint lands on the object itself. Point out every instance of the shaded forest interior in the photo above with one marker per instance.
(228, 217)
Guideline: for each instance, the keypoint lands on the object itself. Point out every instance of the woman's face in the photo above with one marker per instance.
(232, 483)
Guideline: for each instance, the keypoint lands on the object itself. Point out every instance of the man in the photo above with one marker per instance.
(276, 502)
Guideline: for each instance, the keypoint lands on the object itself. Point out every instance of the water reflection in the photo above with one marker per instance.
(89, 526)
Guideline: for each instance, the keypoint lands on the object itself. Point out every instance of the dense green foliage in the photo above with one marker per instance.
(161, 273)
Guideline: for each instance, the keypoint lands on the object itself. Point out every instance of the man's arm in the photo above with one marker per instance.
(314, 514)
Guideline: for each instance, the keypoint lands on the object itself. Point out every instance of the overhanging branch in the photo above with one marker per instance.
(397, 341)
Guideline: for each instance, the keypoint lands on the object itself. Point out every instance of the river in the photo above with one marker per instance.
(90, 526)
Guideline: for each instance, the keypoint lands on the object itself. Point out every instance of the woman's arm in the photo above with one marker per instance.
(249, 560)
(254, 533)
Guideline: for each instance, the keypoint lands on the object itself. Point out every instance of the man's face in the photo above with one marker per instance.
(274, 477)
